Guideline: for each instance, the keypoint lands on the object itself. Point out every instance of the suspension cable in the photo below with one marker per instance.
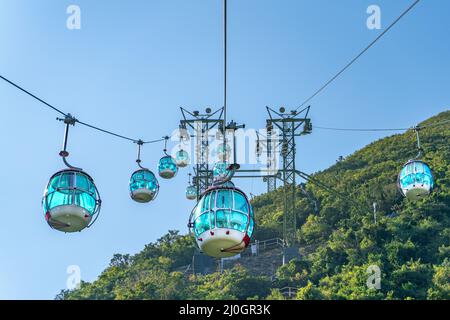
(225, 52)
(358, 56)
(360, 130)
(67, 114)
(106, 131)
(431, 125)
(358, 206)
(32, 95)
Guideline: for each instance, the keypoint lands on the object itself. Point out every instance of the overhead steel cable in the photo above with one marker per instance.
(435, 124)
(359, 130)
(358, 206)
(154, 141)
(32, 95)
(359, 55)
(76, 120)
(225, 52)
(106, 131)
(225, 61)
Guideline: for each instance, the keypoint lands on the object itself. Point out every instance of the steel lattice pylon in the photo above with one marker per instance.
(288, 125)
(291, 125)
(201, 124)
(271, 181)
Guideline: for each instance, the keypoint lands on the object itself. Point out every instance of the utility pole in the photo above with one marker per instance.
(375, 212)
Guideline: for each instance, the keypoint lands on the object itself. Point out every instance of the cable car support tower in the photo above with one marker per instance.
(201, 124)
(290, 126)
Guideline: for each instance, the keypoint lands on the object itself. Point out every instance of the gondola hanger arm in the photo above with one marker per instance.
(68, 120)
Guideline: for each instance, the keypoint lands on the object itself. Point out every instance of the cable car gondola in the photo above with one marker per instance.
(191, 190)
(223, 151)
(144, 186)
(222, 221)
(71, 201)
(416, 180)
(223, 172)
(182, 158)
(167, 168)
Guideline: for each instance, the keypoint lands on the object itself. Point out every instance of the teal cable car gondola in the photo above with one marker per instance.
(416, 180)
(223, 172)
(191, 190)
(71, 201)
(167, 168)
(223, 152)
(144, 186)
(222, 221)
(182, 158)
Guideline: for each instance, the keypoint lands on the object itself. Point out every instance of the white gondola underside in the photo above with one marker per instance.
(167, 174)
(69, 218)
(182, 163)
(221, 244)
(142, 195)
(416, 192)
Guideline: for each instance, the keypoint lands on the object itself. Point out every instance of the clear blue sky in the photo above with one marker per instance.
(134, 63)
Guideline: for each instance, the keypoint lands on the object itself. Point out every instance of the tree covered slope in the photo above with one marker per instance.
(339, 242)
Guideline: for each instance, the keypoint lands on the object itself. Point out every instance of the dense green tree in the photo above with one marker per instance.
(309, 292)
(440, 289)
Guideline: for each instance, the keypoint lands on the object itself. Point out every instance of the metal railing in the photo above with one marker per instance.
(289, 292)
(261, 246)
(184, 269)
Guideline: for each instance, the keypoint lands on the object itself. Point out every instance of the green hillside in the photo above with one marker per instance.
(410, 242)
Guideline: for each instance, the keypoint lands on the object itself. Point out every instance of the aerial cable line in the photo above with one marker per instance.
(360, 130)
(431, 125)
(105, 131)
(32, 95)
(225, 52)
(74, 119)
(359, 55)
(232, 126)
(358, 206)
(153, 141)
